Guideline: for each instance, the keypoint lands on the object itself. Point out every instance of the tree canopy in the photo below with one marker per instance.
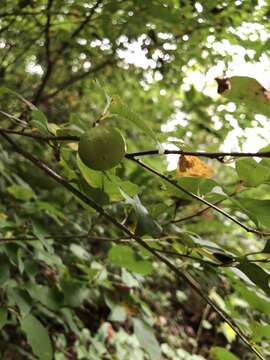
(166, 254)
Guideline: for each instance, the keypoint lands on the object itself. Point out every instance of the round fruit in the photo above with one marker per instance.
(102, 148)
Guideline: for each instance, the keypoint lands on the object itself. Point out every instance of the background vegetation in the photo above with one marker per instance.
(140, 262)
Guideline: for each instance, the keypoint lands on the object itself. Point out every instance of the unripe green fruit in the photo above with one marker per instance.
(102, 148)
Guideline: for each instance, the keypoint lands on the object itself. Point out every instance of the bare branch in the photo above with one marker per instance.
(210, 155)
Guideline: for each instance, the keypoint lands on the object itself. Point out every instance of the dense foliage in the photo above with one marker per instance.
(139, 261)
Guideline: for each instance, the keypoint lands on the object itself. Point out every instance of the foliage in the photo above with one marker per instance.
(137, 262)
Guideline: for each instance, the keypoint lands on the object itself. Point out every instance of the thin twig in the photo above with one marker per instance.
(38, 136)
(200, 328)
(62, 86)
(79, 29)
(210, 155)
(185, 276)
(49, 61)
(199, 198)
(200, 212)
(60, 52)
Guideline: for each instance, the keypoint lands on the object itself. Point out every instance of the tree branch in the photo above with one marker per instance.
(200, 212)
(49, 62)
(210, 155)
(186, 277)
(38, 136)
(60, 52)
(199, 198)
(131, 156)
(75, 78)
(77, 31)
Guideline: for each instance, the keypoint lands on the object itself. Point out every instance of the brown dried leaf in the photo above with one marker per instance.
(193, 166)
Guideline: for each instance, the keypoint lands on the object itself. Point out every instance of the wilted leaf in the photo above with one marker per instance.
(193, 166)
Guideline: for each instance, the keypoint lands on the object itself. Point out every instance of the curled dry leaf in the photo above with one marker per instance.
(193, 166)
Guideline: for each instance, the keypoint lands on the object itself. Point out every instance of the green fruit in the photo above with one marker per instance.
(102, 148)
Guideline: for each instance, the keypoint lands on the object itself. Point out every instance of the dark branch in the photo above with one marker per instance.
(200, 212)
(49, 62)
(75, 78)
(77, 31)
(210, 155)
(60, 52)
(41, 137)
(199, 198)
(131, 156)
(186, 277)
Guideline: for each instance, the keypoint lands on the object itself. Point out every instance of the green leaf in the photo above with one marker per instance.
(49, 297)
(145, 223)
(96, 194)
(261, 333)
(257, 210)
(246, 91)
(3, 317)
(37, 337)
(21, 192)
(256, 274)
(5, 90)
(147, 339)
(118, 312)
(121, 110)
(266, 248)
(97, 180)
(255, 300)
(198, 186)
(4, 273)
(106, 183)
(20, 298)
(124, 256)
(219, 353)
(75, 292)
(252, 172)
(79, 252)
(40, 121)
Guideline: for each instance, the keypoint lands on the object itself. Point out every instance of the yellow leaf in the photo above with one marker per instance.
(193, 166)
(228, 332)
